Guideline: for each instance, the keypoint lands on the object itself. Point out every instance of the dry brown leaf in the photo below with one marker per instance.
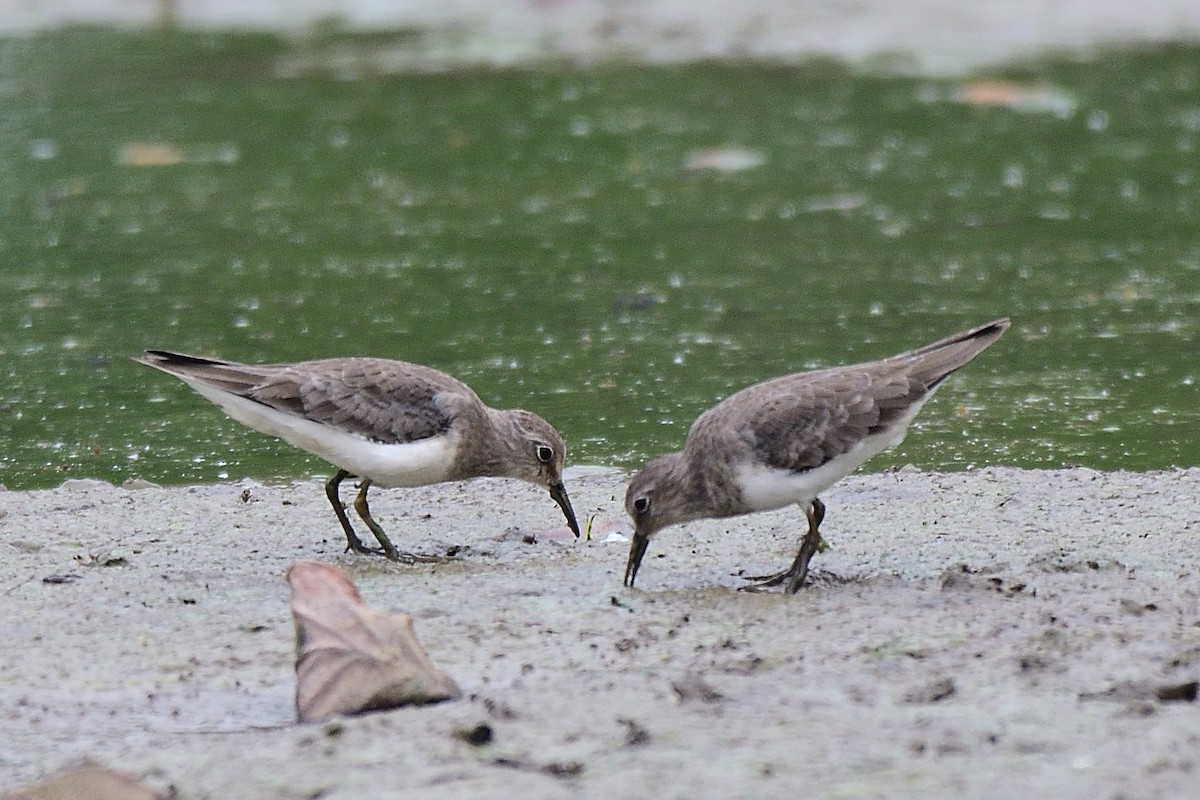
(87, 782)
(166, 154)
(150, 154)
(351, 659)
(992, 93)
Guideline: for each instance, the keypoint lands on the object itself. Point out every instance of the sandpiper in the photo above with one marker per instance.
(388, 423)
(787, 440)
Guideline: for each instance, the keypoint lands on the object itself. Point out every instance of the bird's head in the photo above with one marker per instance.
(650, 502)
(540, 457)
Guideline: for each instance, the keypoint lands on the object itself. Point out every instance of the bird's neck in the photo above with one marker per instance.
(687, 483)
(710, 485)
(494, 452)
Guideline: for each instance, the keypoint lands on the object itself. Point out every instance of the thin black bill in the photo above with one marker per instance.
(559, 493)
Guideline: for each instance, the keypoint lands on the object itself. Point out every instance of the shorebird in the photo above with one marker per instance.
(789, 439)
(388, 423)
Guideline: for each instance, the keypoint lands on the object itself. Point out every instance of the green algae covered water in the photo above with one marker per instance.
(616, 249)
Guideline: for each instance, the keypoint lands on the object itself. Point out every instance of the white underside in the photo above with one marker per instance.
(764, 488)
(389, 465)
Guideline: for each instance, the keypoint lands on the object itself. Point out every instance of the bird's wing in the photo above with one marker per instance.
(385, 401)
(800, 422)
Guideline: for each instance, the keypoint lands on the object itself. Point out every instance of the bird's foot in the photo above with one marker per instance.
(399, 556)
(774, 579)
(421, 558)
(356, 546)
(820, 577)
(791, 578)
(758, 583)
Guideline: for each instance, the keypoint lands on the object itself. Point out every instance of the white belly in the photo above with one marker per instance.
(388, 465)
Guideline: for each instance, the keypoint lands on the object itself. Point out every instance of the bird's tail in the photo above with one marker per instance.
(934, 362)
(228, 376)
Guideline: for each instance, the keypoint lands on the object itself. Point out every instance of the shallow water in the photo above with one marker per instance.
(616, 249)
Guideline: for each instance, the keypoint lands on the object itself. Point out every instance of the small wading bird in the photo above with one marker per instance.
(388, 423)
(789, 439)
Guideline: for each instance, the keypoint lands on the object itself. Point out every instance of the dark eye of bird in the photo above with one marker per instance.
(545, 454)
(641, 505)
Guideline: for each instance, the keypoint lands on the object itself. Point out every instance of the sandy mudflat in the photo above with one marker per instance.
(998, 633)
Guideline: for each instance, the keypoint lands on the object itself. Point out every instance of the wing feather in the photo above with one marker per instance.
(392, 402)
(385, 401)
(798, 423)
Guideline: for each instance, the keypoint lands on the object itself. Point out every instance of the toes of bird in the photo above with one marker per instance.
(766, 580)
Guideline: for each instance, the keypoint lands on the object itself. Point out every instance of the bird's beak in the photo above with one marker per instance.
(559, 493)
(637, 549)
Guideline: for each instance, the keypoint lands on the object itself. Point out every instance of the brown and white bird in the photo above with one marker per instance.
(389, 423)
(789, 439)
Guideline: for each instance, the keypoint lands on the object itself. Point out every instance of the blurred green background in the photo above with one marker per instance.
(615, 248)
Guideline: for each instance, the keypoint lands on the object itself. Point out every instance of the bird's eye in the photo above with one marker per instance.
(545, 454)
(641, 505)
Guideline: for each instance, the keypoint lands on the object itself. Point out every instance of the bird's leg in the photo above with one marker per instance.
(335, 500)
(389, 550)
(812, 544)
(814, 522)
(794, 576)
(364, 511)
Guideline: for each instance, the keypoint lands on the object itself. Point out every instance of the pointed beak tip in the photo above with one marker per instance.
(637, 550)
(558, 492)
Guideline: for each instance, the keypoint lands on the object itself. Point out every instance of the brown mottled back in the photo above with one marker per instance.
(799, 422)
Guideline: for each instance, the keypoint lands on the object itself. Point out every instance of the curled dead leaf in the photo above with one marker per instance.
(85, 782)
(351, 659)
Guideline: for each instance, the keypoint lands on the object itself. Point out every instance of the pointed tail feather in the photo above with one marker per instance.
(228, 376)
(933, 363)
